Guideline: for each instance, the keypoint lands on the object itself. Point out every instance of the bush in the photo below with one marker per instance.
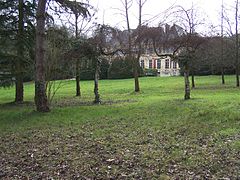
(104, 69)
(87, 73)
(120, 69)
(150, 72)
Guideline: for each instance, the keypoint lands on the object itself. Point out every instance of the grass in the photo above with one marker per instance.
(153, 134)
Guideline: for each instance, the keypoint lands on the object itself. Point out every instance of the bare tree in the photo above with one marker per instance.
(183, 40)
(134, 44)
(78, 17)
(139, 45)
(127, 5)
(189, 19)
(234, 34)
(92, 51)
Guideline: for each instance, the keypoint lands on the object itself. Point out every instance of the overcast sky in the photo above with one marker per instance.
(108, 10)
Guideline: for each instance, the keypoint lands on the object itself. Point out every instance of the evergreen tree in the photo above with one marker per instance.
(16, 42)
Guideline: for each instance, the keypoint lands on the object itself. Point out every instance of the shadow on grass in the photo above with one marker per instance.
(214, 87)
(15, 104)
(65, 102)
(72, 102)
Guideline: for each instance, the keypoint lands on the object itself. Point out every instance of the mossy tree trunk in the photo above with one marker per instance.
(40, 84)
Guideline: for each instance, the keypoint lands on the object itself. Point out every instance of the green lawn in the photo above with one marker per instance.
(153, 134)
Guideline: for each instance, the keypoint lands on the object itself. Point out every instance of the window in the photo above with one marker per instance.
(142, 63)
(167, 64)
(150, 64)
(158, 64)
(174, 65)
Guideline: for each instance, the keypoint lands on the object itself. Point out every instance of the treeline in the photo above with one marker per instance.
(60, 65)
(208, 59)
(216, 56)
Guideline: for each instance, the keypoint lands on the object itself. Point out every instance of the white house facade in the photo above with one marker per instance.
(164, 65)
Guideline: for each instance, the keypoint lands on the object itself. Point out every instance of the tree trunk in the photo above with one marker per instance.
(193, 79)
(187, 84)
(96, 78)
(237, 76)
(136, 81)
(133, 59)
(40, 84)
(222, 69)
(78, 90)
(237, 46)
(135, 71)
(19, 89)
(136, 61)
(222, 74)
(20, 53)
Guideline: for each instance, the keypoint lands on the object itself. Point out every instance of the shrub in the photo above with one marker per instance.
(120, 69)
(87, 73)
(150, 72)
